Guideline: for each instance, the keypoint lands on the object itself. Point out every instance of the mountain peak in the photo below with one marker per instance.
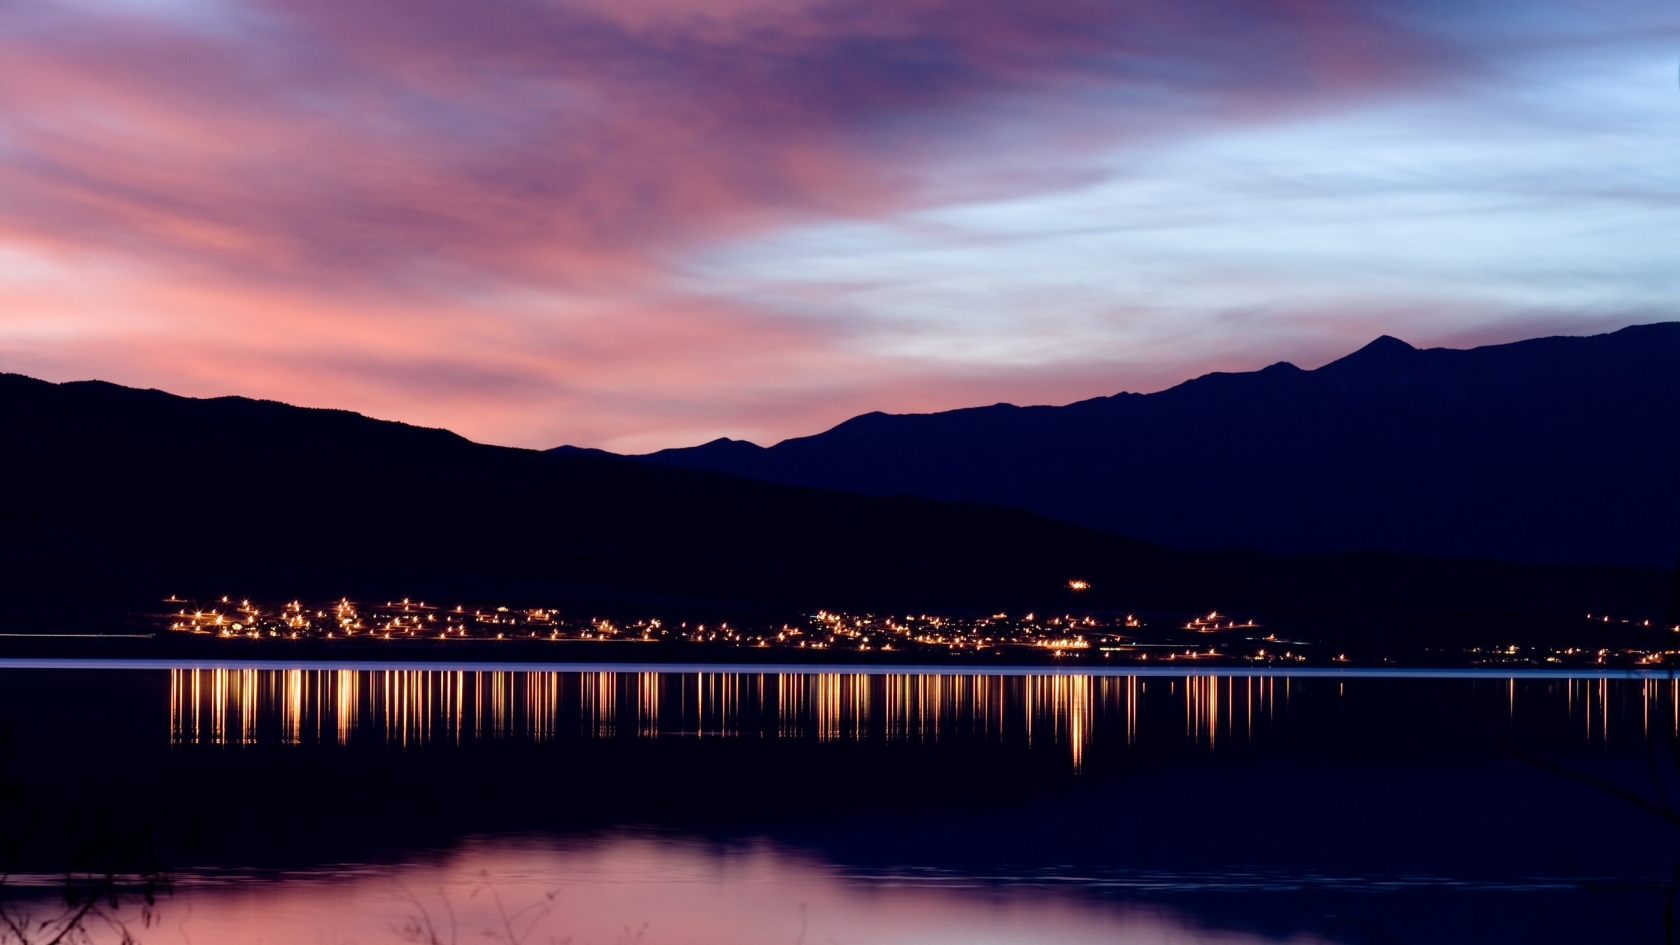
(570, 450)
(1387, 353)
(722, 454)
(1384, 345)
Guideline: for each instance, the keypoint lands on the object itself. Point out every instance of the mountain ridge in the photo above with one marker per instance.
(121, 497)
(1466, 452)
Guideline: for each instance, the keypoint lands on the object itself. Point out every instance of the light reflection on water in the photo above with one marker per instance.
(415, 707)
(248, 706)
(1299, 822)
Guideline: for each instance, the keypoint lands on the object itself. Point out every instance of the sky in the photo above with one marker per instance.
(634, 224)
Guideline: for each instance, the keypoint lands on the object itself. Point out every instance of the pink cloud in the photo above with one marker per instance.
(541, 139)
(468, 214)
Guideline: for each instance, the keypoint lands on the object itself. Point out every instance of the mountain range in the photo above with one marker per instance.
(118, 497)
(1560, 449)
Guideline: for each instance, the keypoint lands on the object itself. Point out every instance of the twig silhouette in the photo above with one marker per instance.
(94, 897)
(1661, 808)
(516, 927)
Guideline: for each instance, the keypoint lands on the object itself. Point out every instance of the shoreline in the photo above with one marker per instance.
(837, 668)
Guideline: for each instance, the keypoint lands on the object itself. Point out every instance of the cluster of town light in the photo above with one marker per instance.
(393, 620)
(824, 630)
(1215, 621)
(1210, 636)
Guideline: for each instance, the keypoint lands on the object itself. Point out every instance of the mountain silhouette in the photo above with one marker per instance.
(1556, 449)
(118, 497)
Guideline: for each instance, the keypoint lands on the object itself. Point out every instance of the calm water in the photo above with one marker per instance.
(337, 805)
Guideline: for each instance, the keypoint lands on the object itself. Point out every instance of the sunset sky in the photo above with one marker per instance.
(644, 223)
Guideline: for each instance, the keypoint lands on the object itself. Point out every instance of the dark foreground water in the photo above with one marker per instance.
(337, 805)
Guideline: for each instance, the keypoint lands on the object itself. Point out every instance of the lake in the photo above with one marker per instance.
(361, 803)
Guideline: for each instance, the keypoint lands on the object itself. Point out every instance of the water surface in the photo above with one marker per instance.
(333, 804)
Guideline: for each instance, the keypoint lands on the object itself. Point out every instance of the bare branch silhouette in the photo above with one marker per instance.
(93, 898)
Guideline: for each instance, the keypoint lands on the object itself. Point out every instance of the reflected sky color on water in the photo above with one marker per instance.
(630, 889)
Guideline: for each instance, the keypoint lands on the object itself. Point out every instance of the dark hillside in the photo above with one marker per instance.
(118, 495)
(1555, 449)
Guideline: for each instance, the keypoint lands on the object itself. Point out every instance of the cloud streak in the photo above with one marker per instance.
(492, 215)
(546, 139)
